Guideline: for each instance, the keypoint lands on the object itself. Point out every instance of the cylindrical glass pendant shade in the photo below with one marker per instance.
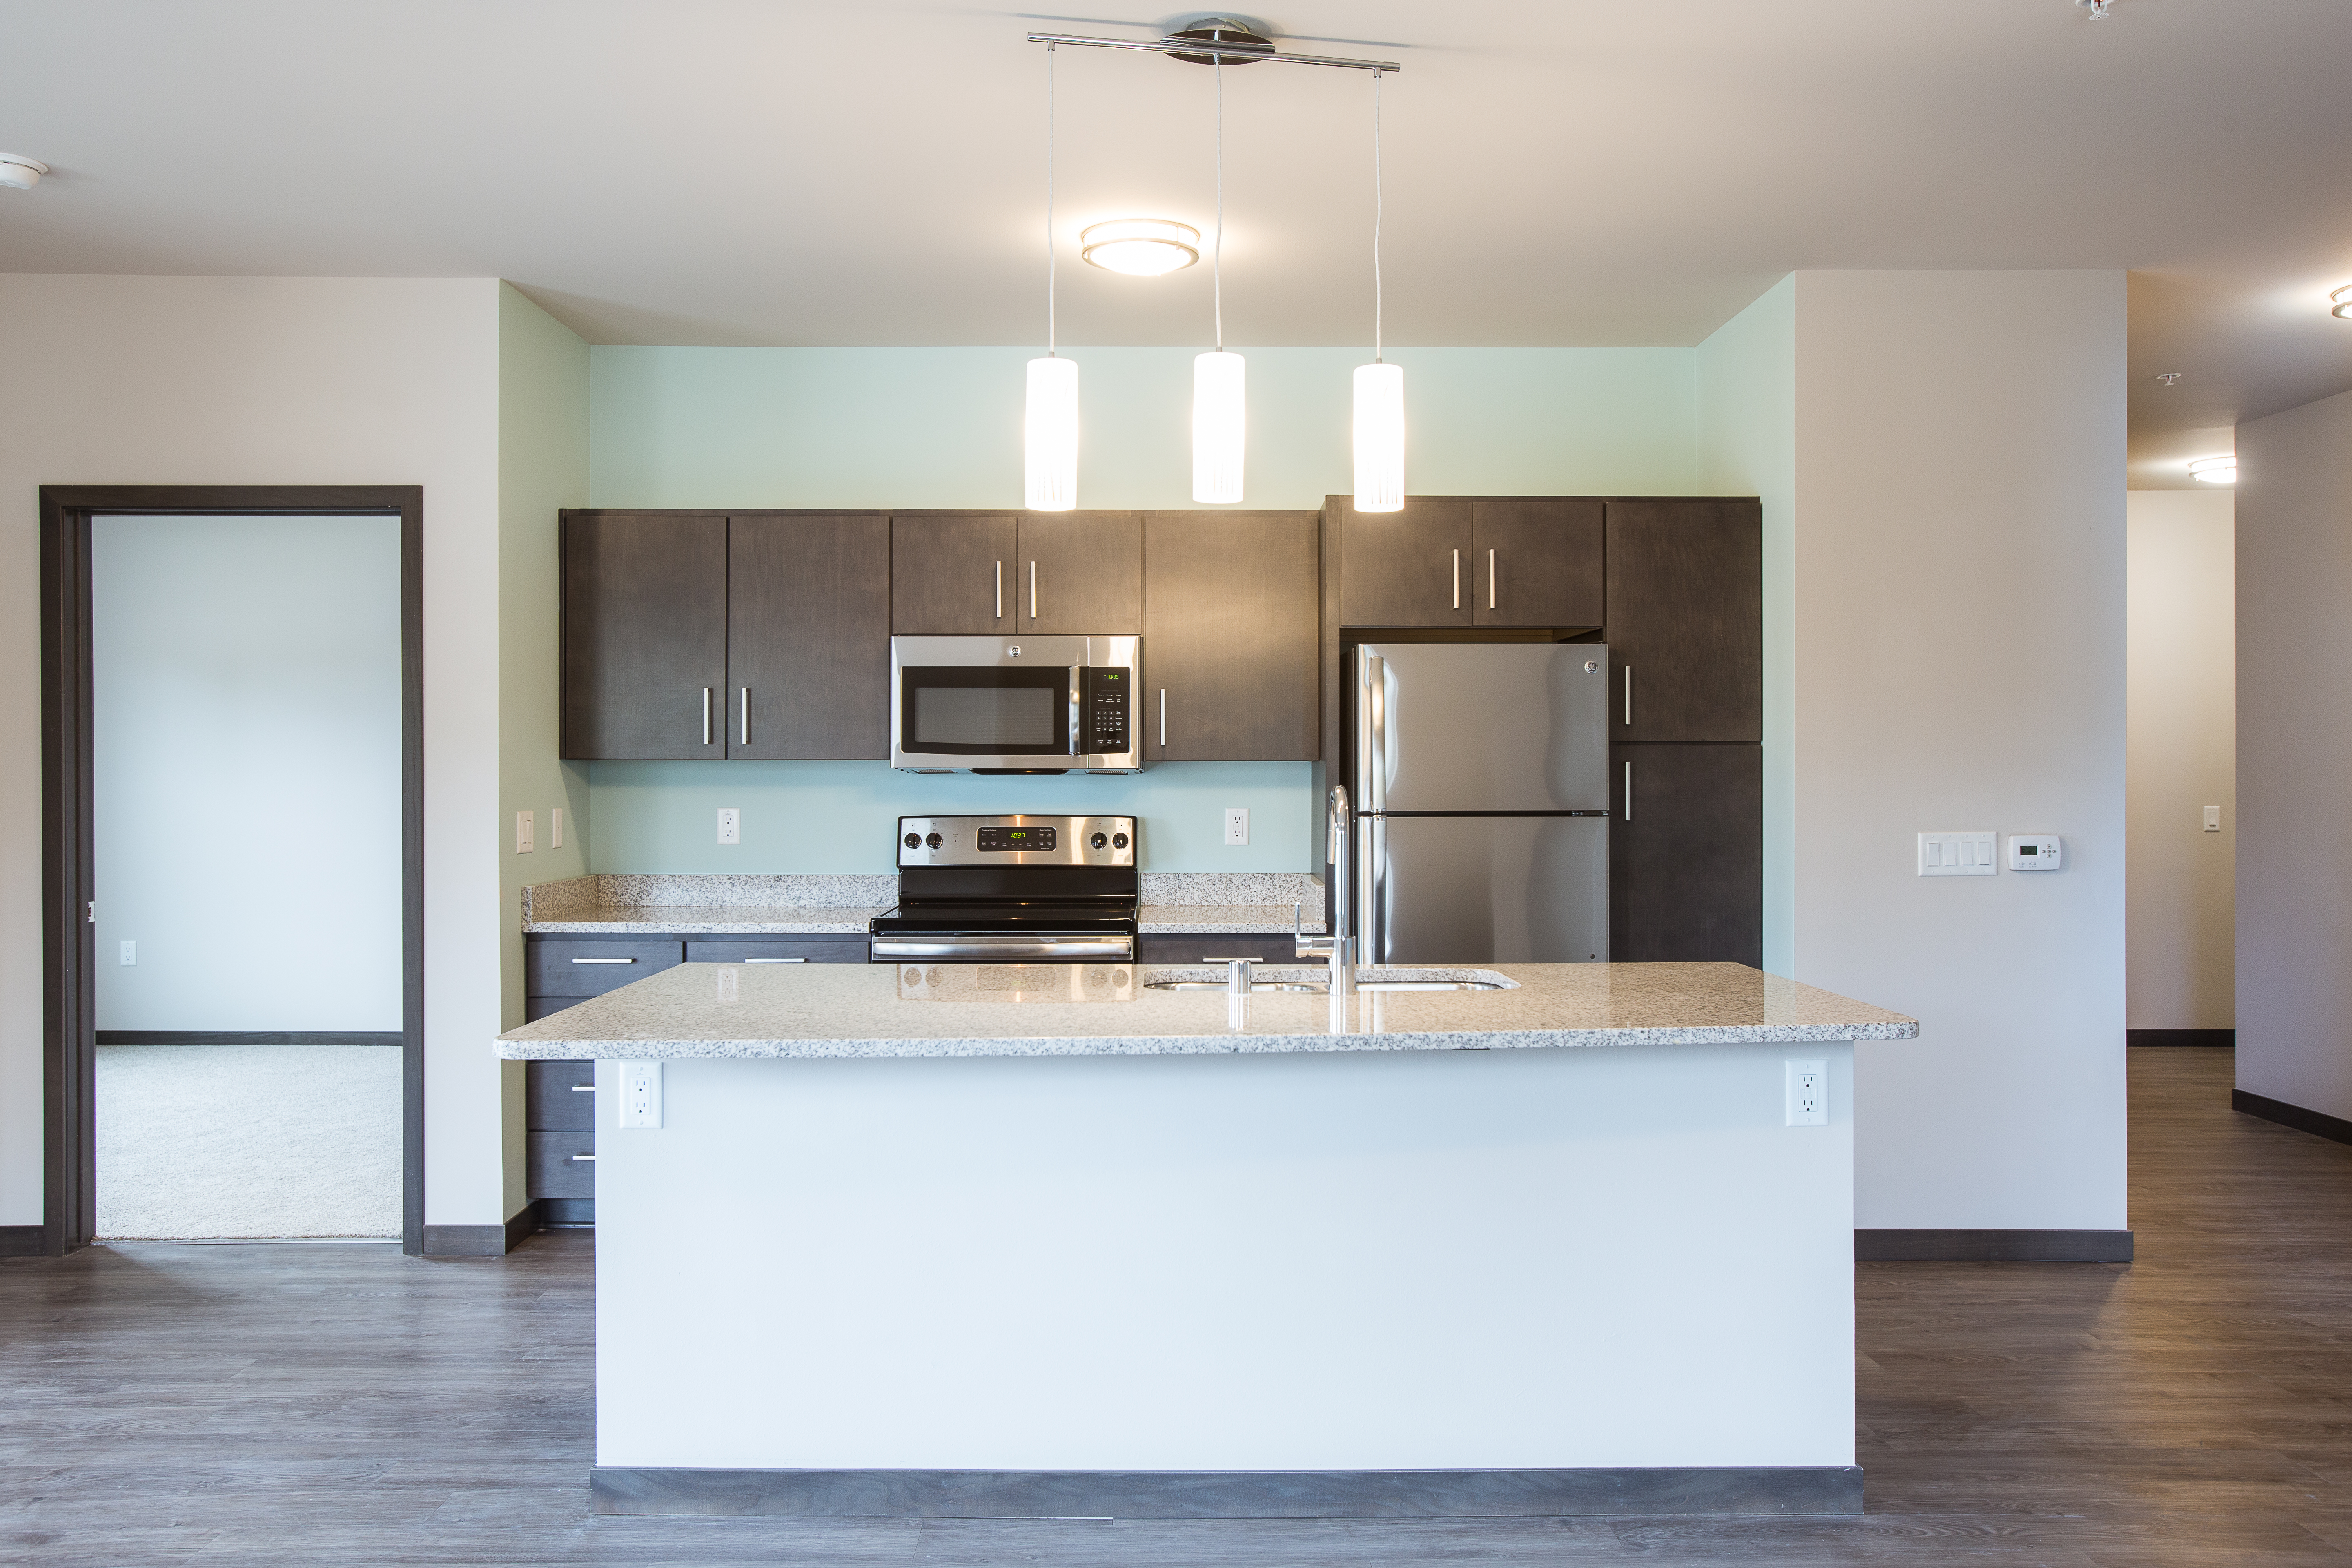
(1380, 438)
(1050, 472)
(1220, 427)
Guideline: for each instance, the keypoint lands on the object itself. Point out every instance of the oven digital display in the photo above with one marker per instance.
(1014, 839)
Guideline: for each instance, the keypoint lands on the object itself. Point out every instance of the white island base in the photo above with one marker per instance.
(1344, 1282)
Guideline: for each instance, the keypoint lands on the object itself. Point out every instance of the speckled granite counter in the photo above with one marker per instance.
(978, 1010)
(794, 904)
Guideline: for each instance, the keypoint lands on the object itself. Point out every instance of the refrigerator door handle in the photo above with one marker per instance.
(1372, 866)
(1457, 579)
(1629, 789)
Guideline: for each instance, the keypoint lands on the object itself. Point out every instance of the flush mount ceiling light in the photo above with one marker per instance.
(2215, 471)
(2342, 302)
(19, 172)
(1140, 247)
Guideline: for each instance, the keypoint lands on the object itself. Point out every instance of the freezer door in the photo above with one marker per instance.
(1482, 727)
(1485, 890)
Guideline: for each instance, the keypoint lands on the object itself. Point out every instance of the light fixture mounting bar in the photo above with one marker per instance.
(1193, 47)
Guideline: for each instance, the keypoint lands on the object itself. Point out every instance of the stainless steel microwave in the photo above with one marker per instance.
(1015, 705)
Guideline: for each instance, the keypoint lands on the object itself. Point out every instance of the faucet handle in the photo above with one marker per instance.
(1301, 944)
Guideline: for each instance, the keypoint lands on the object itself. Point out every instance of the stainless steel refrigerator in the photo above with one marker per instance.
(1480, 776)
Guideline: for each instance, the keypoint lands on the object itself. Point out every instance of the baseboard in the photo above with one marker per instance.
(1992, 1247)
(2225, 1038)
(20, 1241)
(2316, 1122)
(567, 1213)
(481, 1240)
(248, 1037)
(1228, 1494)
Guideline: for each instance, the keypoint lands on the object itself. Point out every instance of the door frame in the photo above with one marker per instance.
(68, 944)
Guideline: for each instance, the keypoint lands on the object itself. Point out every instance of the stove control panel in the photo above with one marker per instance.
(1018, 840)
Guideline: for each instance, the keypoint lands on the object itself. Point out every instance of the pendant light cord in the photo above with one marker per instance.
(1049, 200)
(1376, 217)
(1217, 248)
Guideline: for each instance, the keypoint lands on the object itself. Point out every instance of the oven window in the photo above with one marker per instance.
(985, 711)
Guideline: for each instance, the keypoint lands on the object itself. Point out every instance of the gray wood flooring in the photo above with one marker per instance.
(343, 1404)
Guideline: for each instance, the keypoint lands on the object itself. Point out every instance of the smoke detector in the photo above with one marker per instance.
(19, 172)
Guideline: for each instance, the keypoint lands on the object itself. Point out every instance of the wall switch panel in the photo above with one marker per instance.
(2036, 852)
(555, 827)
(730, 825)
(1808, 1085)
(2212, 819)
(1956, 855)
(129, 953)
(1237, 825)
(641, 1096)
(522, 833)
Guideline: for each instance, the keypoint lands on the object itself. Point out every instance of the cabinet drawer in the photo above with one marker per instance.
(1211, 947)
(555, 1165)
(562, 966)
(537, 1008)
(559, 1097)
(828, 948)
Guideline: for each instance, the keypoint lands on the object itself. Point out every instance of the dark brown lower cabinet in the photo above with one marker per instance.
(1687, 854)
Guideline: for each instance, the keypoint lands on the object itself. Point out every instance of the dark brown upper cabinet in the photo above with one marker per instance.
(1080, 573)
(953, 574)
(808, 637)
(1686, 620)
(1536, 562)
(1417, 567)
(1686, 855)
(644, 634)
(1230, 616)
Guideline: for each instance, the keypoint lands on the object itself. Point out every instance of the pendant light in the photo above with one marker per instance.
(1220, 410)
(1050, 431)
(1380, 386)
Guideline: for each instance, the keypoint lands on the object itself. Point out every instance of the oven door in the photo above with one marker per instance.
(981, 716)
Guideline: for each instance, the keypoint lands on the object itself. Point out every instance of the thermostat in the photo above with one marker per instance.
(2035, 852)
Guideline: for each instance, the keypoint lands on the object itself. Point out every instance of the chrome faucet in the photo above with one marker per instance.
(1337, 947)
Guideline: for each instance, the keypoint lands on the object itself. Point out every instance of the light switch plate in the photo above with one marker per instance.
(1237, 825)
(1956, 855)
(522, 833)
(555, 827)
(2212, 819)
(2036, 852)
(730, 825)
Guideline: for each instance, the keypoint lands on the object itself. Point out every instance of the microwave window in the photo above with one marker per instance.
(988, 716)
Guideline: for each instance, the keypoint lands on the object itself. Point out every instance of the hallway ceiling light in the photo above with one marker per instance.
(2342, 301)
(1140, 247)
(2215, 471)
(19, 172)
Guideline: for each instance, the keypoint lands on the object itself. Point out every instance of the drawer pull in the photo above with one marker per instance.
(583, 1089)
(604, 960)
(775, 961)
(576, 1159)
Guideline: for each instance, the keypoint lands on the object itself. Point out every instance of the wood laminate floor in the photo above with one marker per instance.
(254, 1404)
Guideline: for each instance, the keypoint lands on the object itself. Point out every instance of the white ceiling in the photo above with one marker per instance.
(1560, 171)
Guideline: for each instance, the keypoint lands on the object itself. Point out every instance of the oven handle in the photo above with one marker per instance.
(1002, 947)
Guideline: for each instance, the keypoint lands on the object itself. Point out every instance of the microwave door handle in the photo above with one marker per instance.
(1077, 706)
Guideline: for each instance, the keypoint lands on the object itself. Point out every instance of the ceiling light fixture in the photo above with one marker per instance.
(1220, 406)
(2169, 377)
(1380, 386)
(1140, 247)
(2342, 302)
(1049, 469)
(19, 172)
(2215, 471)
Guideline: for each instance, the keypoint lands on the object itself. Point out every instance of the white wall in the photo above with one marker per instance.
(1959, 664)
(2294, 753)
(2182, 748)
(120, 380)
(247, 766)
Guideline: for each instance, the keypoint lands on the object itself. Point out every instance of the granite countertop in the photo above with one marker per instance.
(972, 1010)
(799, 904)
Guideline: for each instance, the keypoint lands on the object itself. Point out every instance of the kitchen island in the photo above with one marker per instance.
(983, 1240)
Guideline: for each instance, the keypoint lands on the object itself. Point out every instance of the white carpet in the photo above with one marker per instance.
(247, 1141)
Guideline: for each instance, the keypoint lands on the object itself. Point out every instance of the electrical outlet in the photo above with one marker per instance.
(1237, 825)
(641, 1097)
(1809, 1094)
(129, 953)
(555, 827)
(730, 825)
(522, 833)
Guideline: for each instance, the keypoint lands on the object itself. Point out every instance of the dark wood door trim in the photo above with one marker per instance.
(68, 1053)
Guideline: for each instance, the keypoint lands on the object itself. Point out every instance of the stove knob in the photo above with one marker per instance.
(932, 839)
(1118, 841)
(914, 841)
(1098, 841)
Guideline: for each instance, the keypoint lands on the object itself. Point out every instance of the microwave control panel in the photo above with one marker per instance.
(1105, 697)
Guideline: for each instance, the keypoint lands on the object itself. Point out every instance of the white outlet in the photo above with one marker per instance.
(1237, 825)
(131, 952)
(730, 825)
(641, 1084)
(1809, 1094)
(555, 827)
(522, 833)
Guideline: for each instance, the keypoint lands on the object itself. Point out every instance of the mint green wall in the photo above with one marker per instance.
(942, 427)
(1748, 446)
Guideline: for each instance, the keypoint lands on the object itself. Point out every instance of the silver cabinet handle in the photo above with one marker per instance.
(1629, 789)
(747, 715)
(1164, 718)
(1000, 590)
(604, 960)
(705, 715)
(1493, 582)
(775, 961)
(1457, 579)
(1033, 590)
(583, 1159)
(1629, 695)
(583, 1089)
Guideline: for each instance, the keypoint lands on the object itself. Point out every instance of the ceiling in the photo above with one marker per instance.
(1558, 172)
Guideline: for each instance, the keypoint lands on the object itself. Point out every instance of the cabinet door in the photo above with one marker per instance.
(1080, 573)
(1409, 568)
(808, 637)
(951, 574)
(1686, 862)
(1229, 636)
(1536, 562)
(644, 634)
(1685, 618)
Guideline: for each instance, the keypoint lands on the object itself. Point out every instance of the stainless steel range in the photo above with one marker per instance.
(1011, 889)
